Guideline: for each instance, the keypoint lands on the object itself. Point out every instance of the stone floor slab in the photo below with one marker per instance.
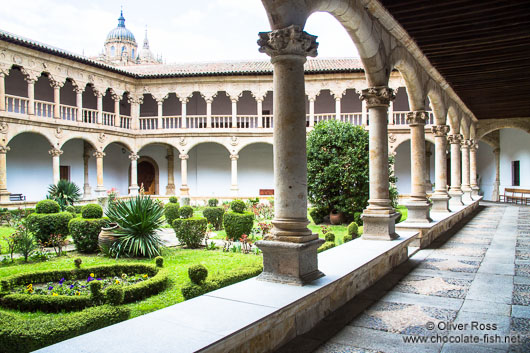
(521, 311)
(479, 306)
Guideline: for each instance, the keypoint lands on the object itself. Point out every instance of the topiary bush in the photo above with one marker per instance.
(92, 210)
(70, 209)
(213, 202)
(357, 218)
(114, 295)
(190, 231)
(77, 262)
(330, 237)
(197, 273)
(85, 233)
(353, 230)
(238, 206)
(159, 261)
(186, 212)
(44, 225)
(47, 206)
(96, 295)
(214, 215)
(318, 214)
(236, 224)
(173, 199)
(171, 212)
(327, 245)
(347, 238)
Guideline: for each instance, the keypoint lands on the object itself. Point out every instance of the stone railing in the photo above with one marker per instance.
(67, 112)
(44, 109)
(16, 104)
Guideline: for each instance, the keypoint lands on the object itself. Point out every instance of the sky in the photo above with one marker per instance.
(180, 31)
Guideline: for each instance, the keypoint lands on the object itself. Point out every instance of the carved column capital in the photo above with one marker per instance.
(184, 156)
(78, 90)
(234, 157)
(380, 96)
(440, 130)
(136, 100)
(116, 98)
(99, 154)
(30, 80)
(56, 84)
(466, 143)
(418, 117)
(454, 139)
(134, 157)
(55, 152)
(474, 145)
(291, 40)
(4, 149)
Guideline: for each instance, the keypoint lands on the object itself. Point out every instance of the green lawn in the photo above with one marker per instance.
(4, 231)
(176, 260)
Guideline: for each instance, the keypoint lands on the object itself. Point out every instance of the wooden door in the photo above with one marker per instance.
(146, 177)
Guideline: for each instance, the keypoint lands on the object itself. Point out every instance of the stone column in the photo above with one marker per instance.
(170, 188)
(209, 102)
(55, 153)
(100, 188)
(440, 198)
(160, 104)
(31, 96)
(290, 250)
(87, 190)
(99, 96)
(234, 111)
(473, 168)
(183, 114)
(364, 113)
(133, 188)
(379, 217)
(3, 95)
(79, 103)
(418, 206)
(466, 187)
(4, 194)
(117, 118)
(337, 107)
(184, 189)
(311, 111)
(455, 190)
(428, 154)
(234, 188)
(56, 99)
(497, 182)
(136, 119)
(260, 111)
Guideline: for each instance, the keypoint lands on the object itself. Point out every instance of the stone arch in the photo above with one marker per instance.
(413, 82)
(187, 149)
(464, 127)
(242, 146)
(487, 126)
(22, 129)
(404, 138)
(454, 119)
(118, 140)
(154, 142)
(78, 136)
(438, 103)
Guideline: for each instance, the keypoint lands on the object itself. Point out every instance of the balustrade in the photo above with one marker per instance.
(148, 123)
(108, 118)
(352, 118)
(44, 109)
(16, 104)
(196, 121)
(90, 116)
(324, 117)
(68, 112)
(247, 121)
(171, 122)
(267, 121)
(221, 121)
(125, 122)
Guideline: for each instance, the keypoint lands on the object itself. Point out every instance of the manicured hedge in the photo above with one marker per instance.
(191, 231)
(47, 206)
(237, 224)
(214, 215)
(327, 245)
(192, 290)
(44, 225)
(171, 212)
(25, 335)
(92, 210)
(186, 212)
(85, 233)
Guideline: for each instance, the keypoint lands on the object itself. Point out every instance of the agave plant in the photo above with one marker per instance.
(138, 220)
(65, 193)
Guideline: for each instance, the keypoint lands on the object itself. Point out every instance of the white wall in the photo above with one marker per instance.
(255, 169)
(485, 169)
(209, 170)
(515, 146)
(403, 164)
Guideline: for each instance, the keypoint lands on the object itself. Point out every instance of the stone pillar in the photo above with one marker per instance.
(56, 99)
(4, 194)
(455, 190)
(364, 113)
(440, 198)
(234, 112)
(337, 107)
(31, 96)
(160, 104)
(473, 168)
(183, 114)
(260, 112)
(55, 153)
(234, 188)
(184, 189)
(466, 187)
(418, 206)
(311, 111)
(497, 182)
(379, 217)
(87, 190)
(428, 154)
(290, 250)
(3, 95)
(79, 103)
(170, 188)
(99, 96)
(209, 102)
(117, 118)
(100, 188)
(133, 188)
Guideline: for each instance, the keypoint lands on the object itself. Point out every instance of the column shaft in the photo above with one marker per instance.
(170, 188)
(466, 187)
(337, 108)
(79, 104)
(208, 113)
(473, 169)
(31, 97)
(234, 113)
(117, 118)
(456, 176)
(234, 188)
(184, 119)
(87, 192)
(364, 113)
(159, 115)
(311, 112)
(4, 194)
(133, 188)
(440, 198)
(100, 188)
(497, 182)
(184, 189)
(100, 108)
(260, 112)
(56, 101)
(55, 153)
(2, 91)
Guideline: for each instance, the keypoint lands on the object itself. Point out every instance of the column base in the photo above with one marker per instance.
(101, 191)
(440, 202)
(234, 190)
(170, 189)
(418, 211)
(380, 224)
(456, 198)
(466, 196)
(290, 263)
(133, 190)
(185, 191)
(87, 191)
(4, 196)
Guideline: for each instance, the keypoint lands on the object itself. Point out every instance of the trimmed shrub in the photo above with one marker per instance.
(347, 238)
(173, 199)
(114, 295)
(24, 335)
(197, 273)
(318, 214)
(237, 224)
(238, 206)
(185, 201)
(192, 290)
(78, 262)
(190, 231)
(85, 233)
(78, 208)
(186, 212)
(70, 209)
(330, 237)
(214, 215)
(44, 225)
(92, 210)
(96, 295)
(357, 218)
(47, 206)
(159, 261)
(327, 245)
(213, 202)
(171, 212)
(353, 230)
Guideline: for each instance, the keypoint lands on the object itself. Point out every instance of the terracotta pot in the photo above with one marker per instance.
(336, 218)
(106, 237)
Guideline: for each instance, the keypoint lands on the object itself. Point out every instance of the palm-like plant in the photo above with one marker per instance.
(65, 193)
(138, 220)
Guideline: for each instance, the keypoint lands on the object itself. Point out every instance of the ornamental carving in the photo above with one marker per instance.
(102, 137)
(417, 118)
(440, 130)
(55, 152)
(392, 138)
(4, 149)
(59, 133)
(377, 96)
(234, 157)
(99, 154)
(3, 127)
(288, 41)
(134, 157)
(454, 139)
(234, 141)
(466, 143)
(184, 156)
(182, 141)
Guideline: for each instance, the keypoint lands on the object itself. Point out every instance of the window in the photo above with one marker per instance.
(516, 180)
(112, 51)
(64, 172)
(132, 53)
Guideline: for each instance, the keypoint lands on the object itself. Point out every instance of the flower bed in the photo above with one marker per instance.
(69, 290)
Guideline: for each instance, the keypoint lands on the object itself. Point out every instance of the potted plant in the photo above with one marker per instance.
(336, 217)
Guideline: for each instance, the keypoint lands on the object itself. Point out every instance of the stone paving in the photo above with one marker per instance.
(472, 285)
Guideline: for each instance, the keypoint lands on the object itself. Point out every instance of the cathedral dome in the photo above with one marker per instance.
(120, 33)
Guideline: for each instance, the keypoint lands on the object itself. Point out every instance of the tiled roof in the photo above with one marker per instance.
(263, 67)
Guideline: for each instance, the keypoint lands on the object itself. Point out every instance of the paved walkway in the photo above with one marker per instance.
(475, 286)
